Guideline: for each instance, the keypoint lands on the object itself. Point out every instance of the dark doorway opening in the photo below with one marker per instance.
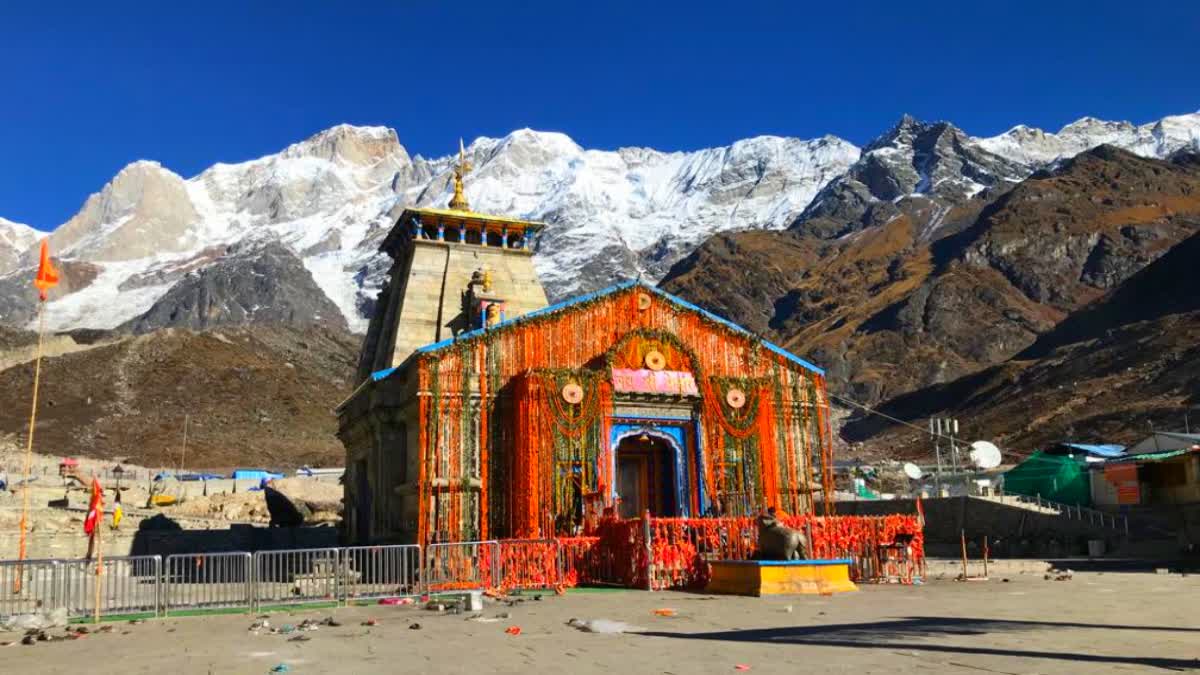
(646, 477)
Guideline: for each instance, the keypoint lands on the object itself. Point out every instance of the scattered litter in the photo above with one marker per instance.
(414, 626)
(1059, 575)
(1004, 580)
(260, 625)
(299, 638)
(329, 621)
(603, 626)
(513, 630)
(396, 601)
(504, 615)
(371, 622)
(308, 624)
(741, 666)
(105, 629)
(664, 611)
(29, 639)
(788, 609)
(482, 619)
(281, 668)
(134, 622)
(40, 621)
(436, 607)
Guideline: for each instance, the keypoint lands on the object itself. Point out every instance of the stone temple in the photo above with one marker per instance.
(484, 413)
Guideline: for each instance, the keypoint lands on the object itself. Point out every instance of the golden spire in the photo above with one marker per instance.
(459, 201)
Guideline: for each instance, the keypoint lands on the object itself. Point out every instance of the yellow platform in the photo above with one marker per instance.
(780, 577)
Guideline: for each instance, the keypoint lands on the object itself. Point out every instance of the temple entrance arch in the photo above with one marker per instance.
(649, 470)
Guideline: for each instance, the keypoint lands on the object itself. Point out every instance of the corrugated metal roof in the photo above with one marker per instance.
(1104, 450)
(1160, 441)
(1150, 456)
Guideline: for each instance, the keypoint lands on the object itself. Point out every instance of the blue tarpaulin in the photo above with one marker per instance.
(255, 474)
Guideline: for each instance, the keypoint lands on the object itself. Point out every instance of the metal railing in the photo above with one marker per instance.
(297, 576)
(461, 566)
(1078, 512)
(206, 581)
(28, 586)
(529, 564)
(127, 585)
(380, 572)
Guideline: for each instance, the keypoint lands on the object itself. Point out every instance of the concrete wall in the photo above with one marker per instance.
(1011, 530)
(68, 545)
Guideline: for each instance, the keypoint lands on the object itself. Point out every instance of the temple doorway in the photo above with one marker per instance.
(645, 476)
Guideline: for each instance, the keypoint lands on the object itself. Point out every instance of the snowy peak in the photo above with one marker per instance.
(15, 239)
(1035, 148)
(142, 211)
(930, 162)
(351, 145)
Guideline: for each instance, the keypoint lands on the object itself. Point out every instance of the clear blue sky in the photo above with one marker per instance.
(87, 87)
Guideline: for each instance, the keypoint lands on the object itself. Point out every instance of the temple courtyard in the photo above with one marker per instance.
(1094, 622)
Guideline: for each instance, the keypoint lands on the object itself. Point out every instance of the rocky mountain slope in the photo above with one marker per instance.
(1106, 373)
(612, 214)
(905, 303)
(260, 396)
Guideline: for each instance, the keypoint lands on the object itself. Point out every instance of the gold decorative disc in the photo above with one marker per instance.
(736, 398)
(572, 393)
(655, 360)
(643, 301)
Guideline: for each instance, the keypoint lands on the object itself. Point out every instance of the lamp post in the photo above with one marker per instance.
(117, 472)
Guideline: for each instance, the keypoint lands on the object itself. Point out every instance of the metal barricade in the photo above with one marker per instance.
(297, 576)
(529, 564)
(28, 587)
(207, 581)
(127, 585)
(380, 571)
(463, 566)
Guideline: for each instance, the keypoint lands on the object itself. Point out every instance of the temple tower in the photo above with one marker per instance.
(453, 271)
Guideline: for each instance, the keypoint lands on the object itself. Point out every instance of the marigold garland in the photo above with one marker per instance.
(482, 400)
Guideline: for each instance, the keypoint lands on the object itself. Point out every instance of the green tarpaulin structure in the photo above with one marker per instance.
(1058, 478)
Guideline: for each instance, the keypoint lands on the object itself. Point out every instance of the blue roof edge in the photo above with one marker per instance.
(570, 302)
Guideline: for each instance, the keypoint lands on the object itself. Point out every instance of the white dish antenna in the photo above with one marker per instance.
(913, 471)
(985, 455)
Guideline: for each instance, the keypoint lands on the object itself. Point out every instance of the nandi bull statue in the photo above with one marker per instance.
(777, 541)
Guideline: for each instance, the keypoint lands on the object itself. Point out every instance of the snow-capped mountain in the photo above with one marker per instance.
(330, 199)
(925, 170)
(15, 239)
(1035, 148)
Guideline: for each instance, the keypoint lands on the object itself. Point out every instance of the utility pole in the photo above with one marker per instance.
(183, 454)
(935, 430)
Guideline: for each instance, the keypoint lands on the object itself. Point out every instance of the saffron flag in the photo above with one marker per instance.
(47, 276)
(95, 508)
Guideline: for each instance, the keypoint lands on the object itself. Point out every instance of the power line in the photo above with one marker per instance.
(897, 420)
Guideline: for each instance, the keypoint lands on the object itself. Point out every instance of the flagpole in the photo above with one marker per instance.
(99, 558)
(37, 378)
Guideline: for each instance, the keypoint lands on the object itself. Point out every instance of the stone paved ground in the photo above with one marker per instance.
(1095, 623)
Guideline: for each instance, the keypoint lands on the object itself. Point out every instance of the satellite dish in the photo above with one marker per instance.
(913, 471)
(985, 455)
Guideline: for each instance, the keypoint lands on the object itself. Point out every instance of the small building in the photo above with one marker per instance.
(482, 412)
(1161, 469)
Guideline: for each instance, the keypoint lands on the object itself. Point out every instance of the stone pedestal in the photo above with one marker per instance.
(780, 577)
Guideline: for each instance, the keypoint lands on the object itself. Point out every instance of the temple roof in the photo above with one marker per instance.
(580, 299)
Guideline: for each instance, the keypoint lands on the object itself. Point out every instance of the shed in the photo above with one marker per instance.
(1060, 478)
